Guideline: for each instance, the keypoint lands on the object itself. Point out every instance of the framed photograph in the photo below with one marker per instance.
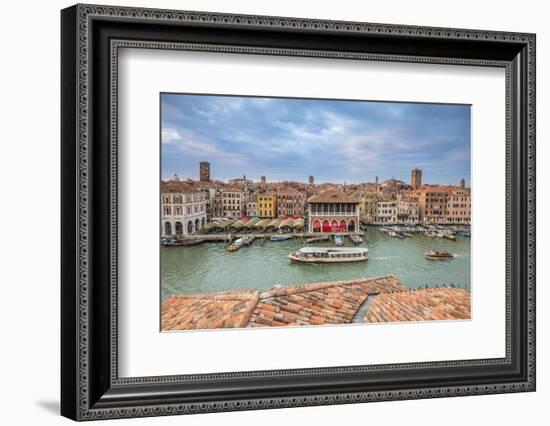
(263, 212)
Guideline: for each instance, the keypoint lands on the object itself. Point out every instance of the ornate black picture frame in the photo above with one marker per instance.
(91, 36)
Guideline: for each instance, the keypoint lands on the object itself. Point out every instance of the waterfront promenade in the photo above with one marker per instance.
(230, 236)
(361, 300)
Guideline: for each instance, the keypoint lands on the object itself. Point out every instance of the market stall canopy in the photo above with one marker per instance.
(286, 223)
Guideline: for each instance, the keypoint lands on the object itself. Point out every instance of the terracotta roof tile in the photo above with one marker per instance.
(211, 310)
(332, 196)
(334, 302)
(176, 186)
(420, 305)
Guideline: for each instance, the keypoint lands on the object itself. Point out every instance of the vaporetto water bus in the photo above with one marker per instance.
(329, 255)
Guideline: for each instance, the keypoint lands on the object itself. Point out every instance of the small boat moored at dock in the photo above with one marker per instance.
(239, 242)
(338, 240)
(449, 236)
(317, 239)
(329, 255)
(395, 234)
(280, 237)
(176, 242)
(439, 255)
(356, 239)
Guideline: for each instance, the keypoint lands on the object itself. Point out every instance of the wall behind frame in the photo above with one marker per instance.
(29, 176)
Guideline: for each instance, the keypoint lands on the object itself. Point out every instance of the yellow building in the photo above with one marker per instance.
(267, 205)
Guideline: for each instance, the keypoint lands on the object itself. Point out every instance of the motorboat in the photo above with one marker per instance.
(449, 236)
(395, 234)
(175, 242)
(439, 255)
(317, 239)
(280, 237)
(329, 255)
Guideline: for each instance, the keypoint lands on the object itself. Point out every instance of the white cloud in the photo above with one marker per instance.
(169, 135)
(195, 145)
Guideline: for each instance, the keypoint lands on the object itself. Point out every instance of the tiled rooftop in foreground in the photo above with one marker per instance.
(375, 299)
(420, 305)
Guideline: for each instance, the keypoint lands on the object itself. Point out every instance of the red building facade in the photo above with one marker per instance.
(333, 212)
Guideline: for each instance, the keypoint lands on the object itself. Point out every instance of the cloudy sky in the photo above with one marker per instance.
(335, 141)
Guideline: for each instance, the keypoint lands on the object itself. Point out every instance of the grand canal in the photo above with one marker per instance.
(210, 267)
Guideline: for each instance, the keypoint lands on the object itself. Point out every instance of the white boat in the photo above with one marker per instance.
(329, 255)
(236, 245)
(449, 236)
(280, 237)
(395, 234)
(317, 239)
(243, 241)
(356, 239)
(338, 240)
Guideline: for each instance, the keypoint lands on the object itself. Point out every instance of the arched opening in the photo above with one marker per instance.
(334, 226)
(197, 224)
(190, 227)
(316, 225)
(351, 226)
(202, 222)
(179, 228)
(326, 226)
(343, 225)
(167, 228)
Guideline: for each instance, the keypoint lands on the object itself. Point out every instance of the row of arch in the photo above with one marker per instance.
(334, 226)
(177, 227)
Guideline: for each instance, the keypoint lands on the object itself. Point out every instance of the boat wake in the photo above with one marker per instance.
(384, 257)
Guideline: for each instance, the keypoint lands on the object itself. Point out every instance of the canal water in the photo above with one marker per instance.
(210, 267)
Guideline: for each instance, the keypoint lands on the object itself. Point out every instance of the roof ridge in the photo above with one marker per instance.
(249, 309)
(307, 287)
(237, 295)
(441, 287)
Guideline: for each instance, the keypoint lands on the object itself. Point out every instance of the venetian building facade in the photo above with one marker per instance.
(232, 203)
(290, 202)
(408, 211)
(433, 204)
(386, 212)
(211, 195)
(251, 208)
(333, 212)
(459, 206)
(183, 210)
(214, 204)
(368, 208)
(266, 205)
